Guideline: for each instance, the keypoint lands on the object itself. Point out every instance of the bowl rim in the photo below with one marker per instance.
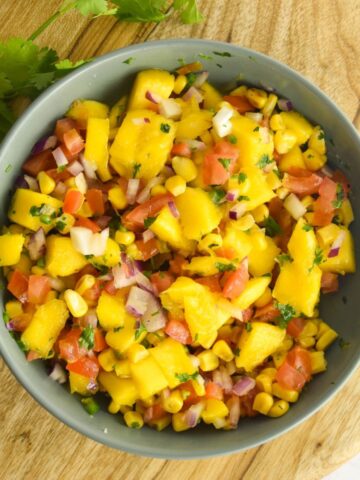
(86, 429)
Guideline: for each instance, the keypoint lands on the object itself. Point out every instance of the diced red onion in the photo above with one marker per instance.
(75, 168)
(147, 235)
(234, 411)
(200, 79)
(243, 386)
(232, 195)
(138, 301)
(121, 279)
(10, 326)
(89, 168)
(221, 121)
(256, 116)
(154, 318)
(20, 182)
(103, 221)
(92, 386)
(153, 97)
(170, 108)
(144, 283)
(60, 157)
(237, 211)
(145, 192)
(173, 209)
(294, 206)
(132, 190)
(167, 171)
(285, 105)
(50, 142)
(335, 247)
(192, 415)
(140, 121)
(223, 379)
(193, 93)
(128, 264)
(37, 244)
(39, 146)
(32, 182)
(58, 374)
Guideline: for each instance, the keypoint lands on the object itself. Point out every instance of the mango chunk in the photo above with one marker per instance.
(206, 266)
(193, 124)
(212, 97)
(302, 245)
(298, 124)
(21, 204)
(255, 346)
(173, 297)
(237, 241)
(253, 290)
(157, 82)
(122, 339)
(294, 158)
(82, 110)
(111, 311)
(148, 377)
(262, 260)
(255, 190)
(142, 144)
(344, 262)
(10, 248)
(79, 384)
(167, 228)
(110, 257)
(96, 146)
(61, 257)
(122, 391)
(45, 326)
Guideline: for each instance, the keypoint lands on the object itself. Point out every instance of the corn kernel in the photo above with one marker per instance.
(263, 402)
(75, 303)
(277, 122)
(223, 351)
(175, 185)
(270, 372)
(318, 362)
(199, 387)
(184, 167)
(245, 222)
(313, 160)
(46, 183)
(326, 339)
(124, 238)
(117, 198)
(107, 360)
(179, 423)
(51, 296)
(180, 84)
(307, 342)
(282, 193)
(264, 383)
(265, 298)
(214, 409)
(347, 212)
(161, 423)
(284, 140)
(285, 394)
(158, 190)
(133, 252)
(270, 104)
(173, 403)
(279, 408)
(286, 344)
(133, 419)
(13, 308)
(310, 329)
(114, 407)
(308, 202)
(256, 97)
(208, 360)
(35, 270)
(122, 369)
(70, 183)
(317, 141)
(260, 213)
(240, 91)
(84, 283)
(137, 352)
(322, 328)
(210, 241)
(278, 358)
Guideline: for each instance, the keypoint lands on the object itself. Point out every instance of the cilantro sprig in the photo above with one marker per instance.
(87, 338)
(287, 312)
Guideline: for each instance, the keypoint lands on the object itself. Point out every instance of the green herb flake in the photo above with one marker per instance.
(41, 262)
(60, 225)
(185, 377)
(307, 227)
(287, 312)
(243, 198)
(318, 258)
(117, 329)
(135, 425)
(205, 57)
(61, 168)
(140, 330)
(240, 177)
(237, 352)
(283, 258)
(149, 221)
(90, 405)
(21, 345)
(8, 168)
(272, 228)
(256, 129)
(225, 267)
(129, 60)
(321, 135)
(248, 327)
(264, 161)
(340, 196)
(222, 54)
(343, 344)
(136, 169)
(232, 139)
(219, 65)
(191, 78)
(225, 162)
(217, 195)
(36, 211)
(6, 317)
(165, 127)
(87, 338)
(45, 219)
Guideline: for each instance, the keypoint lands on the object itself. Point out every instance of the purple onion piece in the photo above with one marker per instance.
(334, 252)
(285, 105)
(20, 182)
(173, 209)
(232, 215)
(10, 326)
(37, 244)
(243, 386)
(39, 146)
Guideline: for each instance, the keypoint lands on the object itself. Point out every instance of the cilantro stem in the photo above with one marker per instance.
(50, 20)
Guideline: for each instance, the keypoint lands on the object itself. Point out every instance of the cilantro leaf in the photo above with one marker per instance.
(225, 267)
(141, 329)
(165, 127)
(287, 312)
(91, 7)
(87, 338)
(232, 139)
(307, 227)
(264, 160)
(225, 162)
(136, 169)
(243, 198)
(272, 228)
(217, 195)
(248, 326)
(318, 258)
(340, 196)
(240, 177)
(149, 221)
(283, 258)
(141, 10)
(184, 377)
(189, 11)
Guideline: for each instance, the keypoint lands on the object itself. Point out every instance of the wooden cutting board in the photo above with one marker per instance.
(320, 39)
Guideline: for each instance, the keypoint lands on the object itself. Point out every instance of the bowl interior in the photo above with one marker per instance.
(107, 79)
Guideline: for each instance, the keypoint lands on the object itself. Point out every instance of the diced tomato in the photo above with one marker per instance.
(228, 252)
(87, 270)
(241, 103)
(247, 314)
(179, 331)
(219, 163)
(324, 208)
(190, 67)
(73, 141)
(99, 341)
(85, 366)
(213, 390)
(177, 264)
(39, 163)
(20, 322)
(87, 223)
(339, 177)
(295, 327)
(329, 282)
(38, 288)
(62, 126)
(110, 288)
(70, 156)
(296, 370)
(18, 285)
(57, 175)
(148, 249)
(305, 185)
(181, 149)
(212, 282)
(69, 347)
(267, 313)
(31, 356)
(95, 201)
(153, 413)
(91, 295)
(188, 393)
(235, 281)
(276, 207)
(134, 220)
(73, 201)
(161, 281)
(246, 403)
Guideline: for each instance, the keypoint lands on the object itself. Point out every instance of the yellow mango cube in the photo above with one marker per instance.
(255, 189)
(205, 266)
(96, 146)
(110, 257)
(61, 257)
(111, 311)
(82, 110)
(79, 384)
(213, 410)
(212, 97)
(121, 340)
(167, 228)
(193, 124)
(262, 260)
(10, 248)
(298, 124)
(344, 262)
(253, 290)
(157, 82)
(302, 245)
(148, 377)
(123, 391)
(292, 159)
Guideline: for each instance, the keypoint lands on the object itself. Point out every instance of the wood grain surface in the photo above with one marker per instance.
(320, 39)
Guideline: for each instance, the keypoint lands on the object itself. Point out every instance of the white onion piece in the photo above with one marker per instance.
(138, 301)
(121, 279)
(145, 192)
(153, 97)
(201, 79)
(335, 247)
(193, 93)
(59, 191)
(51, 142)
(169, 108)
(57, 284)
(195, 361)
(221, 121)
(140, 121)
(147, 235)
(144, 283)
(237, 211)
(98, 242)
(87, 242)
(58, 374)
(132, 190)
(234, 411)
(91, 318)
(81, 183)
(89, 168)
(192, 415)
(60, 157)
(195, 145)
(294, 206)
(37, 244)
(32, 182)
(243, 386)
(154, 318)
(256, 116)
(219, 422)
(75, 168)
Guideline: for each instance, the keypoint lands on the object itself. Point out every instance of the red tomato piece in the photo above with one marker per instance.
(99, 341)
(73, 141)
(219, 163)
(148, 249)
(213, 390)
(39, 163)
(177, 264)
(188, 393)
(190, 67)
(181, 149)
(85, 366)
(91, 295)
(267, 313)
(241, 103)
(329, 282)
(134, 220)
(18, 285)
(62, 126)
(324, 207)
(87, 223)
(179, 331)
(73, 201)
(69, 347)
(295, 327)
(212, 282)
(153, 413)
(306, 185)
(38, 288)
(110, 288)
(58, 176)
(31, 356)
(236, 281)
(95, 199)
(296, 370)
(161, 281)
(20, 322)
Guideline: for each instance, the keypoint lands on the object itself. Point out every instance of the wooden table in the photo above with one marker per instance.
(320, 39)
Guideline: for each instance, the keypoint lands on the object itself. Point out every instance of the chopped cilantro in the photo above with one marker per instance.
(147, 273)
(41, 262)
(128, 60)
(307, 227)
(225, 162)
(60, 225)
(21, 345)
(318, 258)
(36, 211)
(149, 221)
(256, 129)
(90, 405)
(264, 160)
(87, 338)
(283, 258)
(272, 228)
(185, 394)
(278, 173)
(117, 329)
(321, 135)
(237, 352)
(232, 139)
(165, 127)
(89, 257)
(115, 223)
(248, 327)
(196, 337)
(205, 57)
(191, 78)
(240, 177)
(217, 195)
(287, 312)
(185, 377)
(141, 329)
(340, 196)
(222, 54)
(61, 168)
(243, 198)
(336, 220)
(343, 344)
(225, 267)
(136, 169)
(135, 425)
(46, 219)
(6, 317)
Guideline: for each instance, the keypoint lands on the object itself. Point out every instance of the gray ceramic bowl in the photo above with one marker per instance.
(107, 79)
